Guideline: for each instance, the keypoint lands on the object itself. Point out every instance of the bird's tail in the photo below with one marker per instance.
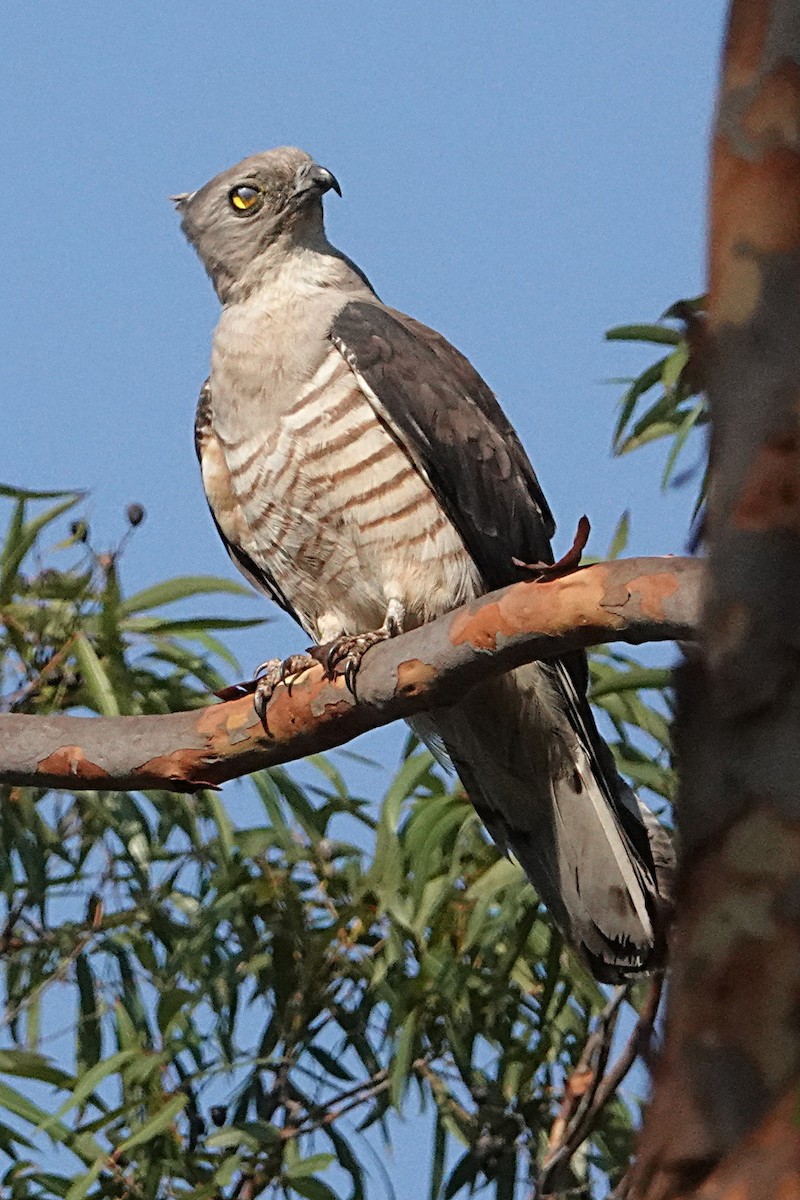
(534, 765)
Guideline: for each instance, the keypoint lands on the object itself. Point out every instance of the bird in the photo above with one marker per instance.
(362, 475)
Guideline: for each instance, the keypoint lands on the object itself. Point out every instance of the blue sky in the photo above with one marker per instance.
(519, 175)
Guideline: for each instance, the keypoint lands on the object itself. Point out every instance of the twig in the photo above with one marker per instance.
(588, 1089)
(26, 690)
(636, 1046)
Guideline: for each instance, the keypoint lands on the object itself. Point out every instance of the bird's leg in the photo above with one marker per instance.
(343, 655)
(274, 671)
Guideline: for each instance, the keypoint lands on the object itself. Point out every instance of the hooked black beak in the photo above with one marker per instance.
(328, 181)
(314, 178)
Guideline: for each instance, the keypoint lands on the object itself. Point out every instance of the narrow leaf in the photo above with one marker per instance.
(89, 1039)
(309, 1166)
(658, 334)
(156, 1125)
(34, 1066)
(15, 493)
(89, 1081)
(621, 534)
(312, 1189)
(95, 679)
(402, 1059)
(180, 588)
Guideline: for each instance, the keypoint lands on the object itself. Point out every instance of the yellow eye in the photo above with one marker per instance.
(244, 198)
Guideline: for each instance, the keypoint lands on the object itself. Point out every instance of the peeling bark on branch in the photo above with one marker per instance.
(724, 1118)
(629, 600)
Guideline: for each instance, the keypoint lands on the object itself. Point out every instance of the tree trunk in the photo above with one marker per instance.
(725, 1117)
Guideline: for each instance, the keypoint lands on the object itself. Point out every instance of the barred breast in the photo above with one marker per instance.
(341, 516)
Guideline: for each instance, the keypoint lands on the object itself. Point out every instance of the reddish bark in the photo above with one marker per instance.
(724, 1116)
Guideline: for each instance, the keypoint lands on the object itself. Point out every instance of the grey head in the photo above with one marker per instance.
(267, 202)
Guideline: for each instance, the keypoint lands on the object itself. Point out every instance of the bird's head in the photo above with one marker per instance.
(239, 215)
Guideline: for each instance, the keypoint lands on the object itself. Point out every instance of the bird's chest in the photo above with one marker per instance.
(336, 507)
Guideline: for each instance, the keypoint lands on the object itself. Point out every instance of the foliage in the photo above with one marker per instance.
(237, 1007)
(637, 699)
(191, 1006)
(679, 408)
(69, 638)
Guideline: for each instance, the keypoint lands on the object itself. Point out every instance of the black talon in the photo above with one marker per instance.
(343, 655)
(260, 702)
(286, 673)
(273, 672)
(350, 673)
(331, 659)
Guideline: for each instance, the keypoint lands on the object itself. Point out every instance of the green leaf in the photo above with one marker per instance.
(385, 875)
(82, 1184)
(11, 1139)
(222, 821)
(463, 1174)
(21, 1106)
(312, 1189)
(348, 1162)
(58, 1185)
(266, 1135)
(499, 876)
(506, 1178)
(34, 1066)
(180, 588)
(619, 540)
(309, 1166)
(694, 416)
(650, 433)
(638, 388)
(89, 1080)
(95, 679)
(189, 626)
(22, 538)
(228, 1139)
(170, 1004)
(632, 680)
(658, 334)
(406, 1044)
(330, 1064)
(310, 818)
(439, 1156)
(156, 1125)
(89, 1037)
(673, 366)
(17, 493)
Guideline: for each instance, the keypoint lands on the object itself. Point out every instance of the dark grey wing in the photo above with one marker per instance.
(450, 423)
(224, 506)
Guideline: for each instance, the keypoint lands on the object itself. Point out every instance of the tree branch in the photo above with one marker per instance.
(589, 1088)
(630, 600)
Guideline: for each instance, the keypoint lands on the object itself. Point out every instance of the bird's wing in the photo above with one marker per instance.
(453, 429)
(449, 422)
(225, 508)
